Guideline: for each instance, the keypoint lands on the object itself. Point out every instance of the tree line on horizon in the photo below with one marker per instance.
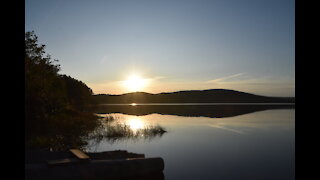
(191, 96)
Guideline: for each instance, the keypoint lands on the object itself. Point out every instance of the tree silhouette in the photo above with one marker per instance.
(44, 90)
(52, 101)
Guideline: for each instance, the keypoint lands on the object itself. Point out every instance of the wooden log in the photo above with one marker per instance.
(99, 169)
(79, 154)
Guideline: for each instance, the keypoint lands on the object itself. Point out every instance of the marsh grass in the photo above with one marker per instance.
(112, 129)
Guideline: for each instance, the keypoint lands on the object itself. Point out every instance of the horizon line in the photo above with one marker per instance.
(190, 90)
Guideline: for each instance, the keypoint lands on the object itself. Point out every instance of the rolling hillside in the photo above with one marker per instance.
(193, 96)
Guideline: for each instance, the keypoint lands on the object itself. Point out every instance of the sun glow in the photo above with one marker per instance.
(135, 83)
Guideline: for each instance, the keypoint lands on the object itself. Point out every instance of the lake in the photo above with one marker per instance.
(209, 141)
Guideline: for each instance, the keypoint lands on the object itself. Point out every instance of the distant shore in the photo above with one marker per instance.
(221, 96)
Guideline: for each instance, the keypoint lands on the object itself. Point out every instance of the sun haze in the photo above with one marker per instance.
(135, 83)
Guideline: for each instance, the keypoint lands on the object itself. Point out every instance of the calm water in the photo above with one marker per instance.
(247, 144)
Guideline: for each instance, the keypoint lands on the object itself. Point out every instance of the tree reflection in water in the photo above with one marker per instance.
(77, 132)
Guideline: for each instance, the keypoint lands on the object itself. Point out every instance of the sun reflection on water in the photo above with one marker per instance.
(135, 124)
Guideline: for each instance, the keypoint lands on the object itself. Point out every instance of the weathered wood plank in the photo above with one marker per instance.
(79, 154)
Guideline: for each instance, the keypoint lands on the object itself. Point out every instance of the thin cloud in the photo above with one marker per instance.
(225, 78)
(103, 59)
(158, 77)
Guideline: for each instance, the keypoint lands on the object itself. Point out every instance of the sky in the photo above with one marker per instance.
(172, 45)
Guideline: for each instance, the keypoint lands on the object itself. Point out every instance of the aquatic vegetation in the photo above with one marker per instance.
(112, 129)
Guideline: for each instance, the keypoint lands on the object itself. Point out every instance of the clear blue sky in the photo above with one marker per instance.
(245, 45)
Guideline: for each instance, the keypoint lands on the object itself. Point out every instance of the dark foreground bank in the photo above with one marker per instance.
(104, 165)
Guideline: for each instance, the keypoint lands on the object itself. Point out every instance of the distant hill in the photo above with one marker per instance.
(192, 96)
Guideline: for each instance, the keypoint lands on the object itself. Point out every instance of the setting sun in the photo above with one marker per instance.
(135, 83)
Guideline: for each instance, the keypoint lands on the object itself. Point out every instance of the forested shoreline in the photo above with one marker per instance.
(55, 104)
